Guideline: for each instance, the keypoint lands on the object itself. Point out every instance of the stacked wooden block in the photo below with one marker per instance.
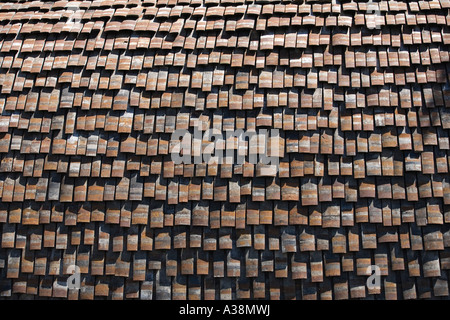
(91, 92)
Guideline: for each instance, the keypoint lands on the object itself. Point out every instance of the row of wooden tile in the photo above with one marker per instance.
(214, 78)
(269, 89)
(259, 23)
(184, 33)
(308, 132)
(124, 8)
(223, 90)
(279, 239)
(386, 162)
(235, 263)
(322, 189)
(416, 143)
(182, 61)
(319, 109)
(88, 11)
(114, 91)
(310, 191)
(417, 159)
(159, 287)
(218, 38)
(422, 116)
(85, 4)
(221, 23)
(85, 11)
(420, 58)
(154, 246)
(217, 19)
(306, 6)
(217, 214)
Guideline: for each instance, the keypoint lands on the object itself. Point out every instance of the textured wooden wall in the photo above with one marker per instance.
(91, 91)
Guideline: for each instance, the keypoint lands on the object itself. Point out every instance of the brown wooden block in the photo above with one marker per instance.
(265, 213)
(309, 191)
(290, 190)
